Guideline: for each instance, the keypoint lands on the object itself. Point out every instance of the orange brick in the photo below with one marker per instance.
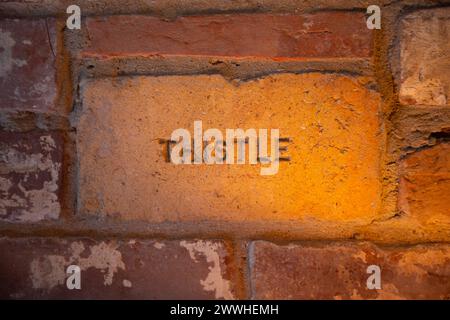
(425, 185)
(333, 174)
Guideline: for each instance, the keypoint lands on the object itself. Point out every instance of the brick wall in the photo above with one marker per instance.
(83, 178)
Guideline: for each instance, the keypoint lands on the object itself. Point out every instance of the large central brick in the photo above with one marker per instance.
(333, 174)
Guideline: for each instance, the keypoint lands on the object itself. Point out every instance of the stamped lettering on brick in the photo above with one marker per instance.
(334, 163)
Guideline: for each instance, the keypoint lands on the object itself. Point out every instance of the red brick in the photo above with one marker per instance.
(27, 69)
(112, 269)
(425, 185)
(339, 271)
(320, 35)
(424, 57)
(30, 176)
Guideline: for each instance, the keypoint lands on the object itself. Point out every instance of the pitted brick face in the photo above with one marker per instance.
(27, 65)
(333, 122)
(339, 271)
(30, 176)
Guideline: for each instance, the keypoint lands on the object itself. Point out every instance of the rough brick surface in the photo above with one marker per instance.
(86, 118)
(425, 58)
(425, 185)
(332, 120)
(30, 176)
(339, 271)
(27, 65)
(110, 269)
(320, 35)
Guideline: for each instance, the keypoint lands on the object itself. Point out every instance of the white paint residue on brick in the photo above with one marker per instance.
(214, 280)
(35, 204)
(7, 63)
(104, 256)
(127, 283)
(47, 143)
(49, 271)
(159, 245)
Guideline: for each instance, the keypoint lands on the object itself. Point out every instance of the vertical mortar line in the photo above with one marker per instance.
(74, 41)
(65, 101)
(243, 260)
(250, 265)
(384, 44)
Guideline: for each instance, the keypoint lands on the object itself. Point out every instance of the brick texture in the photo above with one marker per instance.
(339, 271)
(27, 68)
(113, 269)
(320, 35)
(30, 176)
(334, 155)
(86, 124)
(425, 185)
(425, 58)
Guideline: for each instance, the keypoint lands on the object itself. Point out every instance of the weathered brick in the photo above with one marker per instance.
(30, 176)
(27, 69)
(320, 35)
(425, 58)
(114, 269)
(332, 119)
(339, 271)
(425, 185)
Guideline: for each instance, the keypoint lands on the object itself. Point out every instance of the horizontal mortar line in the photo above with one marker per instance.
(29, 10)
(190, 56)
(181, 231)
(189, 60)
(241, 76)
(233, 74)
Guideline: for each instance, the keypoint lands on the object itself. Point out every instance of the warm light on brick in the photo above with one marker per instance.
(224, 150)
(333, 122)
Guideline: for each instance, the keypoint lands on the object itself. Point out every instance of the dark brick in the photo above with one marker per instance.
(27, 68)
(339, 271)
(320, 35)
(30, 176)
(114, 269)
